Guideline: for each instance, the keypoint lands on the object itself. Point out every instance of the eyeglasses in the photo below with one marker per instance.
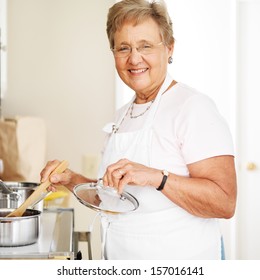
(144, 49)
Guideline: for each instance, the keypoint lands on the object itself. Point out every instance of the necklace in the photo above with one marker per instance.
(137, 116)
(115, 128)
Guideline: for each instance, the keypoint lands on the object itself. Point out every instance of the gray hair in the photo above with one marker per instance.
(137, 11)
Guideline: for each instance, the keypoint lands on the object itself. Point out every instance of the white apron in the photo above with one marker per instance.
(158, 229)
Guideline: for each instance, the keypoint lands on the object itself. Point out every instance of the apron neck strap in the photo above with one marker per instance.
(167, 82)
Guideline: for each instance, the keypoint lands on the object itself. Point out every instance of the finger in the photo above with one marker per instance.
(112, 174)
(50, 166)
(63, 178)
(56, 178)
(105, 180)
(121, 172)
(51, 188)
(116, 176)
(123, 182)
(110, 177)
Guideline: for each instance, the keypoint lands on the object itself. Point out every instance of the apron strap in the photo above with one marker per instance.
(167, 82)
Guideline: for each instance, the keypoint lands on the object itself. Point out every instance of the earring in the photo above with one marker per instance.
(170, 60)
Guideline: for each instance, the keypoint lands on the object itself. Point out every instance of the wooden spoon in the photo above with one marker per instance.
(38, 192)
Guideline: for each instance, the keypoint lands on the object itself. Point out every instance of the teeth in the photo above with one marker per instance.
(138, 71)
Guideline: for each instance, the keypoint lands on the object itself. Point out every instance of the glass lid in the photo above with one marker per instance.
(105, 199)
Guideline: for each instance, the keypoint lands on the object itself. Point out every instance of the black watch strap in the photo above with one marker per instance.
(165, 177)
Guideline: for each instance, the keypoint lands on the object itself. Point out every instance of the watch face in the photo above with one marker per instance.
(105, 199)
(165, 172)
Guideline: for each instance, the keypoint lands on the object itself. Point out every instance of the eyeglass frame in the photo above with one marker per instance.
(129, 51)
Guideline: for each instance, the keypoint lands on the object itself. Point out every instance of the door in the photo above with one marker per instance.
(248, 210)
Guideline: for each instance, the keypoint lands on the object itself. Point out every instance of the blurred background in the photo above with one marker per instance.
(59, 86)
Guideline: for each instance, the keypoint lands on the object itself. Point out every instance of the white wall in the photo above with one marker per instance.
(3, 62)
(204, 32)
(61, 69)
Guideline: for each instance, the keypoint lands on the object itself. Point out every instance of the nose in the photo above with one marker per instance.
(135, 57)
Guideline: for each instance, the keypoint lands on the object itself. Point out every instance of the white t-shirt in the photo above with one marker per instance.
(187, 128)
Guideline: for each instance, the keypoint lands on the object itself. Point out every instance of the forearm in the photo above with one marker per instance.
(75, 179)
(200, 197)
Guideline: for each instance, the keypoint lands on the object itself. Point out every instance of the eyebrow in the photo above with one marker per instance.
(139, 42)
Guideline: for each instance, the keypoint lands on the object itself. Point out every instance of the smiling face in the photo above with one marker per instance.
(144, 73)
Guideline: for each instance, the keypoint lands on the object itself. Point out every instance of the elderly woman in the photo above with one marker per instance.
(169, 147)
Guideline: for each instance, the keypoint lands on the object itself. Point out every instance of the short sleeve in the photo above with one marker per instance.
(201, 130)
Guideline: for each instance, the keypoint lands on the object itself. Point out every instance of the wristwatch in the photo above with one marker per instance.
(164, 179)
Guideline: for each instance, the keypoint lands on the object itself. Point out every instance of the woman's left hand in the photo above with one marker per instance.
(126, 172)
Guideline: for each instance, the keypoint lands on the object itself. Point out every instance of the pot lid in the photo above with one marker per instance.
(105, 199)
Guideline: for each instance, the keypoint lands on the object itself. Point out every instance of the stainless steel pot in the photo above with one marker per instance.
(24, 190)
(19, 231)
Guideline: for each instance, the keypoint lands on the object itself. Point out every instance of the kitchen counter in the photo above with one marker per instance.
(56, 239)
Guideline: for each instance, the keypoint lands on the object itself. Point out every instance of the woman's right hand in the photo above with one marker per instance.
(64, 178)
(68, 178)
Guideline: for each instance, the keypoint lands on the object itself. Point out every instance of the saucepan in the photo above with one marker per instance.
(20, 191)
(19, 231)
